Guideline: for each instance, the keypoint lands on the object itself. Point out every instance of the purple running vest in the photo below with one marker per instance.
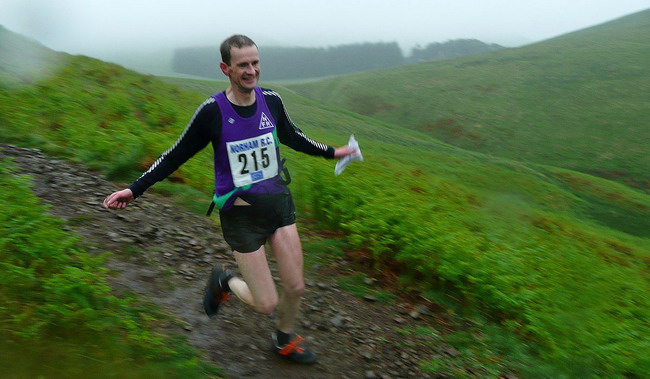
(249, 146)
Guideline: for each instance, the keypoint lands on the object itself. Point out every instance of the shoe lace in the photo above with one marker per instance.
(293, 346)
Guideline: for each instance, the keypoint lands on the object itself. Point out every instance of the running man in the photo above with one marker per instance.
(246, 124)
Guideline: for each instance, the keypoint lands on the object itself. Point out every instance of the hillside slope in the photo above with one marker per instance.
(557, 257)
(579, 101)
(159, 255)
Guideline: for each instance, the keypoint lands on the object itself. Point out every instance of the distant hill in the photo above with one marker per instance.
(25, 61)
(579, 101)
(281, 63)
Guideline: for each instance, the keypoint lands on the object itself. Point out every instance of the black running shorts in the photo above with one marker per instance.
(247, 227)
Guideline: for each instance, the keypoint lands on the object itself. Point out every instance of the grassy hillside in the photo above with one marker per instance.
(59, 318)
(558, 257)
(579, 101)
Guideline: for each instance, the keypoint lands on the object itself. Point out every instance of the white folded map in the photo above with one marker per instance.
(345, 161)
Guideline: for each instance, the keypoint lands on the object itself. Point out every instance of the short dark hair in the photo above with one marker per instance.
(238, 41)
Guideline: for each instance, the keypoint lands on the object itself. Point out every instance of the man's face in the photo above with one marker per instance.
(244, 68)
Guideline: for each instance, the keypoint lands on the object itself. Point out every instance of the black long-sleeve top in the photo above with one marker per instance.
(205, 127)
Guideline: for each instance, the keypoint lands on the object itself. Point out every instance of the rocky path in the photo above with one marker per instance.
(165, 253)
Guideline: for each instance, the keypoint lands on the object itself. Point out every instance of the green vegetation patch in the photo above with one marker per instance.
(361, 285)
(59, 318)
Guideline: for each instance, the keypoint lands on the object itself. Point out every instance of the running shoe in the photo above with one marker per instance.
(293, 351)
(216, 290)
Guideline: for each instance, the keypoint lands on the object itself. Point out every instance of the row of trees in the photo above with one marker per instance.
(305, 62)
(451, 49)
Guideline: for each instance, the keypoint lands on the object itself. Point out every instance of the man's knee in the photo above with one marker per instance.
(295, 289)
(266, 307)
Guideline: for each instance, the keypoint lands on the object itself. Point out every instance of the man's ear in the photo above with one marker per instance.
(224, 68)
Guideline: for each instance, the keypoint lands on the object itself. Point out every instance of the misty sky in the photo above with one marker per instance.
(94, 26)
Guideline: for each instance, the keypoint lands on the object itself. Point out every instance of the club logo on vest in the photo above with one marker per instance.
(265, 122)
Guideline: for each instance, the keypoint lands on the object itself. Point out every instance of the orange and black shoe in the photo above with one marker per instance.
(293, 351)
(217, 290)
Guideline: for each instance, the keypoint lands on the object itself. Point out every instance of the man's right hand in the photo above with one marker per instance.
(343, 151)
(119, 199)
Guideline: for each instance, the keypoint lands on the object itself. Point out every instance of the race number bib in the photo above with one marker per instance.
(252, 160)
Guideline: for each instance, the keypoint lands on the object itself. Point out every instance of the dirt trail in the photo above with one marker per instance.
(166, 255)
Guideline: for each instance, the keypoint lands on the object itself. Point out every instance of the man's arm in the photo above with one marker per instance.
(197, 134)
(194, 138)
(289, 134)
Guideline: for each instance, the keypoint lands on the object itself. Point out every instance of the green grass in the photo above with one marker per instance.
(577, 101)
(59, 318)
(324, 251)
(357, 285)
(484, 348)
(557, 257)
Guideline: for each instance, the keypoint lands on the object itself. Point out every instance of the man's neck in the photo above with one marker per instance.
(240, 98)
